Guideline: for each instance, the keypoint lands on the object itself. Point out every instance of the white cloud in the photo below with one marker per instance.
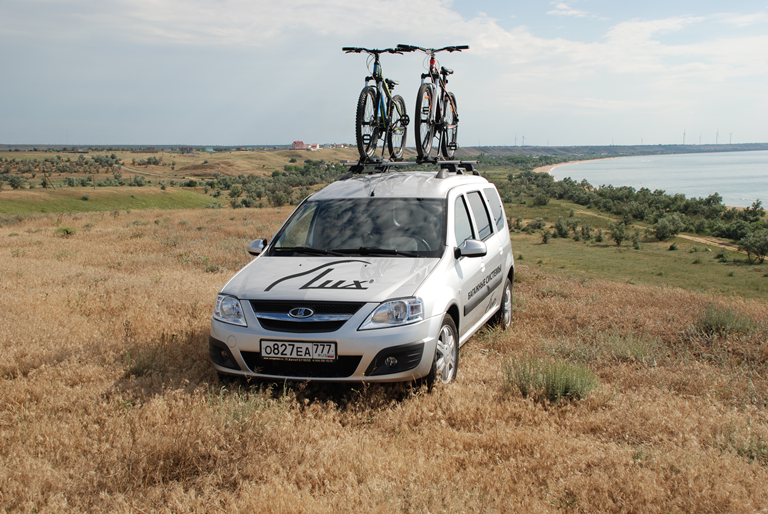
(562, 9)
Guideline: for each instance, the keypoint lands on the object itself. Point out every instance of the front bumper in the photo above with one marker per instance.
(361, 354)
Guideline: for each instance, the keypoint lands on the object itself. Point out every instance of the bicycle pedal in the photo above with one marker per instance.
(366, 139)
(452, 146)
(405, 120)
(425, 111)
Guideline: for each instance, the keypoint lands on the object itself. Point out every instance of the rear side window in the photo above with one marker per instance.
(481, 214)
(462, 228)
(495, 203)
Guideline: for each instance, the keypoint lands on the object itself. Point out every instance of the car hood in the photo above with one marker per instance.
(362, 279)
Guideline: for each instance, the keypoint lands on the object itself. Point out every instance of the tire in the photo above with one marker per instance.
(446, 360)
(451, 127)
(398, 127)
(424, 130)
(366, 126)
(503, 317)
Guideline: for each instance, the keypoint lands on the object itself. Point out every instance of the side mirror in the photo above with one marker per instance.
(471, 248)
(257, 246)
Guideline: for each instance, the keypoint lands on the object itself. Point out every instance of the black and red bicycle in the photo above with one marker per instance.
(437, 119)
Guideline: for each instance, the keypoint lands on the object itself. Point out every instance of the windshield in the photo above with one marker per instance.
(409, 227)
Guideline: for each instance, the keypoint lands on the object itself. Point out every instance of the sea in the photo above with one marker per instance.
(739, 177)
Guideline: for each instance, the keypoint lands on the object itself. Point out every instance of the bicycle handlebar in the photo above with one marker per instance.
(411, 48)
(357, 50)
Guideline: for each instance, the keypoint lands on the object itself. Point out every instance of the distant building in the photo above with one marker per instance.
(313, 147)
(298, 145)
(209, 149)
(150, 149)
(186, 149)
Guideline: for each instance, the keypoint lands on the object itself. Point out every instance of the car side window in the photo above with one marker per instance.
(495, 203)
(462, 227)
(481, 214)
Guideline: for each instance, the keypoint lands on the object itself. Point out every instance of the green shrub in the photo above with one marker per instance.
(85, 198)
(724, 321)
(65, 231)
(551, 379)
(673, 247)
(540, 200)
(545, 235)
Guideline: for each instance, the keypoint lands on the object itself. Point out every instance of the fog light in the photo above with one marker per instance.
(391, 362)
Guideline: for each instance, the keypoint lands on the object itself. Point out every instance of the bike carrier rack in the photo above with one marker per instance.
(372, 166)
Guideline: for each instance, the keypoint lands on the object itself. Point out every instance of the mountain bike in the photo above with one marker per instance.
(380, 115)
(436, 114)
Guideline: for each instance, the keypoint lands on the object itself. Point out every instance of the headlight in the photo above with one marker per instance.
(228, 310)
(395, 313)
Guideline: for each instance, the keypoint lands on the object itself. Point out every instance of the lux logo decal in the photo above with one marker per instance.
(328, 284)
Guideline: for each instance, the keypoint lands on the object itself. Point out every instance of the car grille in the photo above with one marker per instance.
(343, 366)
(327, 317)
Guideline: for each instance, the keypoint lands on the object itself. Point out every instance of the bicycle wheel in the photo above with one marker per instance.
(424, 130)
(366, 125)
(450, 127)
(398, 127)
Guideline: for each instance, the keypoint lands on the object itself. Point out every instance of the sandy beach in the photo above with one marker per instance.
(548, 169)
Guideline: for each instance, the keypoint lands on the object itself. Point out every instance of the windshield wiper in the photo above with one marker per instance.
(306, 249)
(364, 250)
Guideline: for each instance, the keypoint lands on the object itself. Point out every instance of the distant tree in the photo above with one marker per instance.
(666, 226)
(561, 228)
(756, 245)
(618, 232)
(235, 192)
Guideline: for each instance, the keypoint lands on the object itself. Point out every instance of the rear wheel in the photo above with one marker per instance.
(446, 360)
(398, 127)
(366, 124)
(424, 130)
(450, 127)
(503, 317)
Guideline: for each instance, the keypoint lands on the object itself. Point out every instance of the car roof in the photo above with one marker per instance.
(400, 184)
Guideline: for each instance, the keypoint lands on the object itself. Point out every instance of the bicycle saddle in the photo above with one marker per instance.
(391, 83)
(445, 70)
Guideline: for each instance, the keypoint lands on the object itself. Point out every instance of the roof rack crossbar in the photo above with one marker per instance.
(383, 165)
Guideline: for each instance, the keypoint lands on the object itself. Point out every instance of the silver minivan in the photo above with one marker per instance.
(377, 277)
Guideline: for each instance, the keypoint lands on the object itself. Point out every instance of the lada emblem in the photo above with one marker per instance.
(301, 313)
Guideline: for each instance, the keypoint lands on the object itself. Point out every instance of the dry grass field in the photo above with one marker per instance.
(108, 402)
(205, 165)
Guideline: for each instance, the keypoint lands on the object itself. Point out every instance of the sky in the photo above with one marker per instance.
(258, 72)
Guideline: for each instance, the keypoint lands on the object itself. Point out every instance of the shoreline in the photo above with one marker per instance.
(548, 169)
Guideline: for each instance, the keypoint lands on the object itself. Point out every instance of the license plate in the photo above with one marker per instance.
(298, 351)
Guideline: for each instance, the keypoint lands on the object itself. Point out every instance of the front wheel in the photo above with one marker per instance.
(424, 129)
(450, 127)
(446, 360)
(366, 123)
(398, 127)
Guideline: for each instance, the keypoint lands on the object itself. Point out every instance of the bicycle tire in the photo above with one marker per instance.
(450, 128)
(366, 126)
(424, 130)
(398, 127)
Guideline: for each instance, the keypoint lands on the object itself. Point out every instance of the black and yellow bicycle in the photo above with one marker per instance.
(380, 115)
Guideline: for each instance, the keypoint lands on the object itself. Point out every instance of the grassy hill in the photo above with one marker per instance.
(108, 401)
